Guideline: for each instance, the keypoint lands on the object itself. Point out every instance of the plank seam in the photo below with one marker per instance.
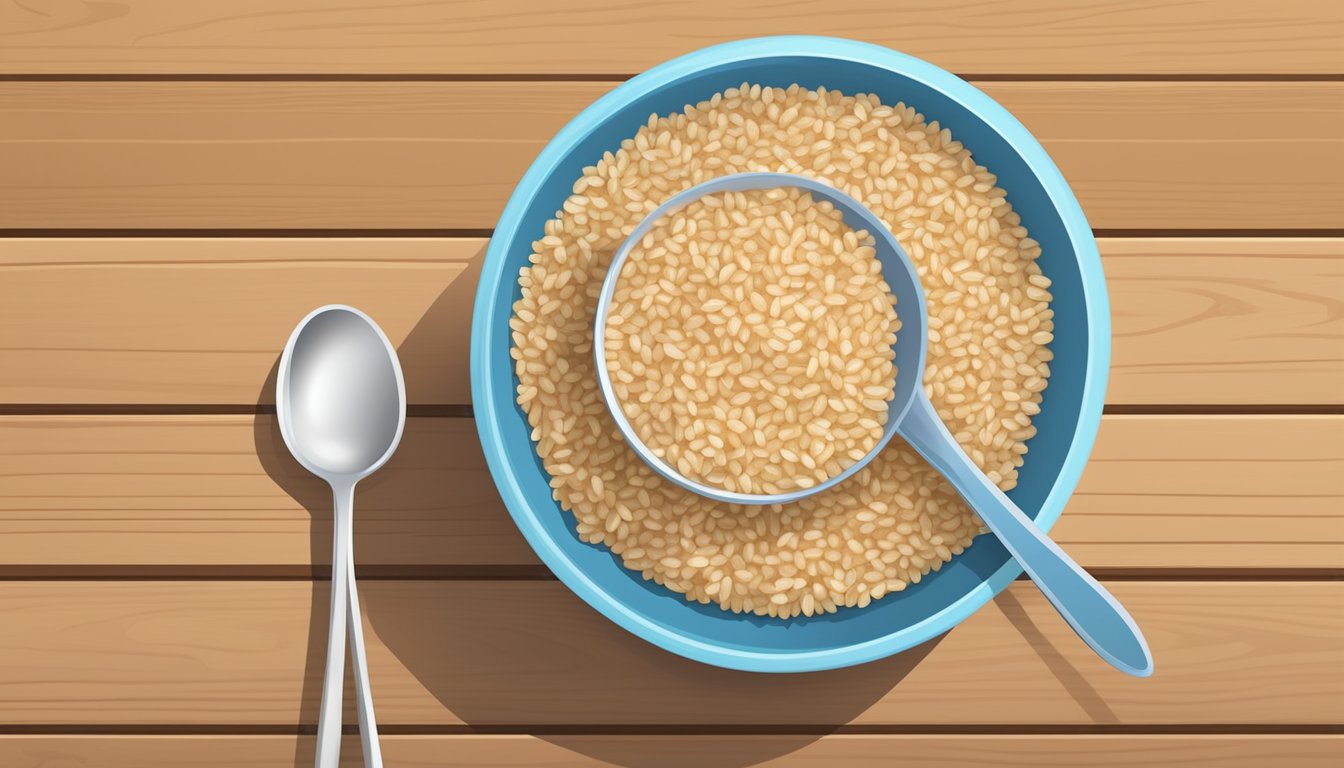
(248, 232)
(1245, 409)
(487, 232)
(448, 411)
(538, 572)
(465, 411)
(748, 729)
(589, 77)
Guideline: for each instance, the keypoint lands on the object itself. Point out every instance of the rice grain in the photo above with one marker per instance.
(895, 520)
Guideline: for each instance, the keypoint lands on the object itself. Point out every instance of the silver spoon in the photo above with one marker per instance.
(341, 403)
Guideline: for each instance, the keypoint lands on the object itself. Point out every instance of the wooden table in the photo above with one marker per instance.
(181, 180)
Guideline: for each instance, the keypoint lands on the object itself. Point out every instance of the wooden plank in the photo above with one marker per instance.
(343, 154)
(536, 37)
(1140, 155)
(155, 492)
(250, 653)
(223, 490)
(1181, 155)
(202, 321)
(1204, 321)
(769, 751)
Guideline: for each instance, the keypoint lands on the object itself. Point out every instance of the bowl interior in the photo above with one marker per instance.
(888, 625)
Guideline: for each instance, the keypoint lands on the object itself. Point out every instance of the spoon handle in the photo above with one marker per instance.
(328, 752)
(1093, 612)
(368, 724)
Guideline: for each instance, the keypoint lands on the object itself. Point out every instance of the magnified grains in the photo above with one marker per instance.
(894, 520)
(749, 341)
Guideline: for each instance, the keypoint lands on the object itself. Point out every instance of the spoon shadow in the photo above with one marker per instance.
(315, 496)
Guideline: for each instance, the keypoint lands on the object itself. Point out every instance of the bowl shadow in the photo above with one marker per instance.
(557, 669)
(564, 673)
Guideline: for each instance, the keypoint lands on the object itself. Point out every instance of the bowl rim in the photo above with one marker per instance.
(1097, 313)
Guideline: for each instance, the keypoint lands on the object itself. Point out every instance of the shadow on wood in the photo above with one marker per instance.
(526, 673)
(558, 667)
(1074, 682)
(315, 496)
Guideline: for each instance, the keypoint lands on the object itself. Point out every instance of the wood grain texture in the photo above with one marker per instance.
(1191, 318)
(608, 36)
(202, 320)
(1226, 492)
(518, 653)
(384, 115)
(772, 751)
(205, 320)
(1139, 155)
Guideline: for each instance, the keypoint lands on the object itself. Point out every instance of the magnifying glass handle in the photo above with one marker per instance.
(1093, 612)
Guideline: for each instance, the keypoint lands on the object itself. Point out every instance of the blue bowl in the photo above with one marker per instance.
(1067, 424)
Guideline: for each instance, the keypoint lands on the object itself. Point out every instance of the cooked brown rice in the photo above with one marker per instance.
(895, 520)
(749, 341)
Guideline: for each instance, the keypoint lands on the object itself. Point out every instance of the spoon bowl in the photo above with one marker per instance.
(340, 394)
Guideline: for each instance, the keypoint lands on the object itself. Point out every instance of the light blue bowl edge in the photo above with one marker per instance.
(1094, 388)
